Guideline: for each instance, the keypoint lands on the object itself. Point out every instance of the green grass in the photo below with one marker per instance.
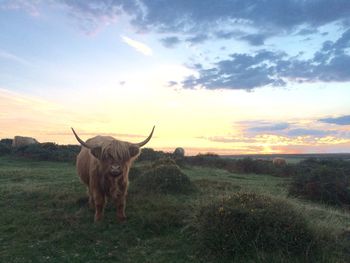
(44, 217)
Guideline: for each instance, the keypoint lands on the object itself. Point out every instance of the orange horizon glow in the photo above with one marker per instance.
(50, 122)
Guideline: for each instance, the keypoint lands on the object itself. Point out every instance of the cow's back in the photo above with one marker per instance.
(83, 165)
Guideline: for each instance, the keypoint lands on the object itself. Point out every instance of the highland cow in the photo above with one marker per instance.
(103, 166)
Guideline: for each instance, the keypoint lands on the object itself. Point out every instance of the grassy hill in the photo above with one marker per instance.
(45, 218)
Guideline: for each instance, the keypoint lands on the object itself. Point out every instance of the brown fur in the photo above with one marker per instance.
(279, 161)
(94, 170)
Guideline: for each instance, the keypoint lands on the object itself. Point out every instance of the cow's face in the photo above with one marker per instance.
(115, 157)
(114, 166)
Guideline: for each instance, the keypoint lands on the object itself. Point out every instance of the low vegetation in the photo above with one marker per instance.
(164, 177)
(201, 211)
(326, 181)
(245, 225)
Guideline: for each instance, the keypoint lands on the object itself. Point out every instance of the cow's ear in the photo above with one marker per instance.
(97, 152)
(134, 150)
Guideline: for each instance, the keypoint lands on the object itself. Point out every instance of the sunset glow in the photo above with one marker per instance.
(210, 82)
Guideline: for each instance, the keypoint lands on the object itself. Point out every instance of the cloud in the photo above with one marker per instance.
(271, 127)
(273, 17)
(12, 57)
(239, 71)
(199, 16)
(196, 39)
(343, 120)
(172, 83)
(255, 39)
(30, 6)
(310, 132)
(291, 130)
(262, 68)
(251, 21)
(138, 46)
(170, 42)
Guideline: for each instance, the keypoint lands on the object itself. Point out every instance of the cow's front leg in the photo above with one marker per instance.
(122, 188)
(99, 201)
(91, 199)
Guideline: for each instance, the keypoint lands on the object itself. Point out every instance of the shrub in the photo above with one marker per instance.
(4, 149)
(148, 154)
(167, 179)
(246, 223)
(321, 183)
(163, 161)
(208, 160)
(7, 142)
(134, 173)
(48, 152)
(246, 165)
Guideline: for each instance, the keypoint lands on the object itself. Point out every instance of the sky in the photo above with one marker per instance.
(228, 76)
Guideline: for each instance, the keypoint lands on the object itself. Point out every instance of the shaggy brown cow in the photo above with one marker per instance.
(279, 161)
(103, 165)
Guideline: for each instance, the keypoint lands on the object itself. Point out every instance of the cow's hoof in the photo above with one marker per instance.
(98, 218)
(121, 219)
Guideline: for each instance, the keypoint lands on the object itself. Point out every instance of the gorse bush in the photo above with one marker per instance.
(164, 178)
(208, 160)
(148, 154)
(163, 161)
(322, 183)
(248, 223)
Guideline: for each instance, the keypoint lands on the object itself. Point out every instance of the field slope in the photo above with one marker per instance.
(45, 218)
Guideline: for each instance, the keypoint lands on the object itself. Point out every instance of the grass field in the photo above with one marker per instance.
(44, 218)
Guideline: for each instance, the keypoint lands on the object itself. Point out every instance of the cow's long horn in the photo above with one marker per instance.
(140, 144)
(80, 140)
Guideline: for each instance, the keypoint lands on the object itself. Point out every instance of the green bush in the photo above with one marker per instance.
(245, 165)
(248, 223)
(163, 161)
(208, 160)
(4, 149)
(167, 179)
(48, 152)
(6, 141)
(321, 183)
(148, 154)
(134, 173)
